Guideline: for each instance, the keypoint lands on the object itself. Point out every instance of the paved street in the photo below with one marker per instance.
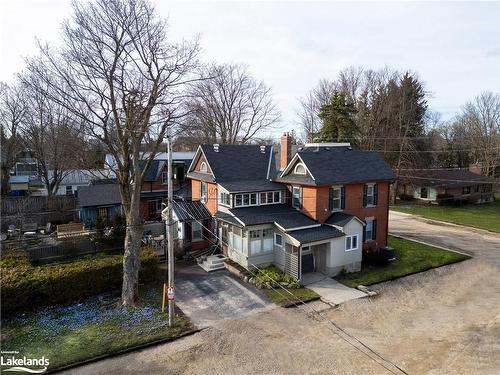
(479, 243)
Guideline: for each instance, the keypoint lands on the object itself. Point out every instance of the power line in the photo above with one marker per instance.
(450, 180)
(317, 312)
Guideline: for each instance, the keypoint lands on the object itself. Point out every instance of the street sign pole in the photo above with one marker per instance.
(170, 234)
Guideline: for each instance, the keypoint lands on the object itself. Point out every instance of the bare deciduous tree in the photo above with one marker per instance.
(118, 73)
(481, 118)
(12, 111)
(51, 134)
(229, 106)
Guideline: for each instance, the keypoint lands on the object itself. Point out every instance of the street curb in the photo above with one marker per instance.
(488, 231)
(125, 351)
(429, 244)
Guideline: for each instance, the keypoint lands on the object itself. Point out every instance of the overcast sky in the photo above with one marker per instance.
(454, 47)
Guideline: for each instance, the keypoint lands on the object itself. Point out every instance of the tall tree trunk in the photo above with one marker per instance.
(131, 259)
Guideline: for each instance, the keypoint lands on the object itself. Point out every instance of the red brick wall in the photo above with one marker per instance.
(315, 203)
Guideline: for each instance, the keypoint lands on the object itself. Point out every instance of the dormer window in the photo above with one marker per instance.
(203, 167)
(299, 169)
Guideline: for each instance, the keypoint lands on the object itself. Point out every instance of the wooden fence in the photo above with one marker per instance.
(37, 210)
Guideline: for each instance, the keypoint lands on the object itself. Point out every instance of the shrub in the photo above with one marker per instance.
(446, 200)
(406, 197)
(270, 273)
(25, 286)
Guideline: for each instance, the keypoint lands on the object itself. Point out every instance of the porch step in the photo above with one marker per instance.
(213, 263)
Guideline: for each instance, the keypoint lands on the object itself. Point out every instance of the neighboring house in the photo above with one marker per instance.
(25, 185)
(453, 185)
(26, 164)
(101, 199)
(73, 179)
(192, 226)
(315, 211)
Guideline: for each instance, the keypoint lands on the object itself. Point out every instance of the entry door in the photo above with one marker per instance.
(319, 252)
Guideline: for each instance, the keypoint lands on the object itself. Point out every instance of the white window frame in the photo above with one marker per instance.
(203, 197)
(203, 167)
(70, 190)
(293, 196)
(339, 198)
(349, 239)
(193, 231)
(222, 201)
(370, 223)
(370, 196)
(273, 200)
(164, 177)
(242, 196)
(276, 235)
(300, 165)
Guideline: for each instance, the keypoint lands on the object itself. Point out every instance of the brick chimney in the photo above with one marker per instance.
(475, 168)
(286, 150)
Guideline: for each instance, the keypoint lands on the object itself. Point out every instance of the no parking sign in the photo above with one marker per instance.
(171, 294)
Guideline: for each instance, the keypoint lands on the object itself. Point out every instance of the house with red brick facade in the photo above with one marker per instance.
(313, 211)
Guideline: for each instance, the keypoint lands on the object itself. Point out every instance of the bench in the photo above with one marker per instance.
(71, 231)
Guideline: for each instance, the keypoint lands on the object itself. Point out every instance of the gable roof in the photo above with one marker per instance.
(340, 219)
(99, 195)
(342, 164)
(235, 162)
(319, 233)
(448, 178)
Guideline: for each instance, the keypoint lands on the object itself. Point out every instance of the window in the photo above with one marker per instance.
(336, 198)
(270, 197)
(278, 239)
(466, 190)
(299, 169)
(351, 243)
(423, 192)
(164, 177)
(196, 231)
(242, 200)
(476, 189)
(370, 229)
(69, 190)
(369, 195)
(225, 199)
(296, 201)
(203, 167)
(102, 212)
(203, 192)
(225, 235)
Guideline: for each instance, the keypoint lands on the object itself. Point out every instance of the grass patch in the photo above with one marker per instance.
(483, 216)
(81, 331)
(284, 299)
(412, 257)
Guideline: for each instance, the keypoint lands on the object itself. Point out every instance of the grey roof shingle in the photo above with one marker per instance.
(237, 162)
(341, 165)
(227, 218)
(323, 232)
(283, 215)
(339, 218)
(99, 195)
(190, 210)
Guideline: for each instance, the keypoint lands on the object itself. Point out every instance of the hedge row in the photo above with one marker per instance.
(25, 286)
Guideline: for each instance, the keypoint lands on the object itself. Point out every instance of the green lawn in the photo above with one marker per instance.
(84, 330)
(284, 299)
(484, 216)
(412, 258)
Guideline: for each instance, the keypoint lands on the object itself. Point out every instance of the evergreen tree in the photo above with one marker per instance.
(338, 120)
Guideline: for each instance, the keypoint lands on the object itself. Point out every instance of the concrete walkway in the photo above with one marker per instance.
(330, 290)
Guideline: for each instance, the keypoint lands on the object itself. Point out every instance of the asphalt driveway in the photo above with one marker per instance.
(210, 297)
(481, 244)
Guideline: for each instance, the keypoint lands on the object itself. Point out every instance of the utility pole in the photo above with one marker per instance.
(170, 234)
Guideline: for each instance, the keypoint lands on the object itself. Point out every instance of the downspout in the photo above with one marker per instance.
(387, 220)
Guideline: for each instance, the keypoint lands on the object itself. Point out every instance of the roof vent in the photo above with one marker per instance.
(349, 148)
(216, 147)
(327, 148)
(263, 149)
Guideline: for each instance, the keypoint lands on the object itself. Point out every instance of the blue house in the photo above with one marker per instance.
(99, 199)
